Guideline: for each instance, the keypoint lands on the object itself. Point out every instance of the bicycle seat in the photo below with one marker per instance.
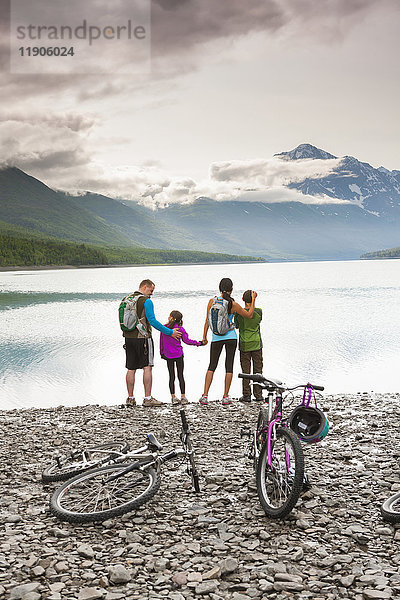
(275, 382)
(153, 442)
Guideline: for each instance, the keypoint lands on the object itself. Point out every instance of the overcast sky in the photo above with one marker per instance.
(231, 82)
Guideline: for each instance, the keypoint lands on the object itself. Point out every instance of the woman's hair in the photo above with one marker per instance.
(226, 287)
(177, 319)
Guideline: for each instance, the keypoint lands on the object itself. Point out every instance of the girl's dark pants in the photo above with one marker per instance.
(171, 362)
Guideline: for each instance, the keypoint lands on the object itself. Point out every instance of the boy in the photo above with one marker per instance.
(250, 346)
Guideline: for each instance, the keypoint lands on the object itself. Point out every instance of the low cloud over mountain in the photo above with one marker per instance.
(305, 174)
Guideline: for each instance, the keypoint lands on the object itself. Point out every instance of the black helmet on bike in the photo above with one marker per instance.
(309, 423)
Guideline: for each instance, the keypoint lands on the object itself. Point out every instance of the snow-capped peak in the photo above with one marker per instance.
(305, 151)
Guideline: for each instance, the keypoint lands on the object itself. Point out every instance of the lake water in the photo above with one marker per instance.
(332, 323)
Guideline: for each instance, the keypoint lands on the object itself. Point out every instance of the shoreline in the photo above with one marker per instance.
(219, 544)
(167, 405)
(62, 267)
(180, 264)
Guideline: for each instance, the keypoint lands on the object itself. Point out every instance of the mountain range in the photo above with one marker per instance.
(374, 190)
(327, 229)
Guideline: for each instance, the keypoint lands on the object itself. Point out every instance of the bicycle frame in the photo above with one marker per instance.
(274, 419)
(144, 461)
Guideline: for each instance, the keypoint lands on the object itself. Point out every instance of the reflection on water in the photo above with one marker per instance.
(336, 324)
(10, 300)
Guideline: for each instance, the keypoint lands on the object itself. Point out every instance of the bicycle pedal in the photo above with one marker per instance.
(245, 432)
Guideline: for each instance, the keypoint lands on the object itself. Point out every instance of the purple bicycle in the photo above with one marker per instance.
(276, 449)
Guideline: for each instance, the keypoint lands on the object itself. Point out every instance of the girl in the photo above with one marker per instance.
(171, 350)
(227, 340)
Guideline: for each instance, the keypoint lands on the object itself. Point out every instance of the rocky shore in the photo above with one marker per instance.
(217, 545)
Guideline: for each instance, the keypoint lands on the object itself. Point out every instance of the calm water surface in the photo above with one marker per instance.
(333, 323)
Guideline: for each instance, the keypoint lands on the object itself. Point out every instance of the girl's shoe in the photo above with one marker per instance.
(175, 401)
(204, 400)
(184, 400)
(226, 400)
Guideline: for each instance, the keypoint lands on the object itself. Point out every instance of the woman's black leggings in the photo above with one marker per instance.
(171, 362)
(215, 353)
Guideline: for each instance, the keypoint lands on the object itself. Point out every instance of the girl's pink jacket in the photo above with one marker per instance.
(172, 348)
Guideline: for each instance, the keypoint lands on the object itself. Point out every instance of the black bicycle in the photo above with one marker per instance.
(390, 509)
(122, 485)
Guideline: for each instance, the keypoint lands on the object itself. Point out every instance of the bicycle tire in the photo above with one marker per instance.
(188, 446)
(390, 509)
(262, 423)
(279, 487)
(185, 425)
(193, 472)
(89, 496)
(69, 466)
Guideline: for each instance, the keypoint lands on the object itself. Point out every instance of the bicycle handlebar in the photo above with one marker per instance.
(255, 377)
(259, 378)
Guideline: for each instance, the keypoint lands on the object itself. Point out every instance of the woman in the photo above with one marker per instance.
(220, 311)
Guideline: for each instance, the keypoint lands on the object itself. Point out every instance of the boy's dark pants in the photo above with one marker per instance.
(245, 362)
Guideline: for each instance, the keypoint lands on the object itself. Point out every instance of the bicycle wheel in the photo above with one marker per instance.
(192, 468)
(390, 509)
(279, 484)
(66, 467)
(188, 446)
(90, 496)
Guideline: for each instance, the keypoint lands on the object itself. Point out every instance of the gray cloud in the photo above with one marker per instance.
(52, 160)
(189, 28)
(73, 121)
(44, 142)
(185, 25)
(178, 25)
(265, 173)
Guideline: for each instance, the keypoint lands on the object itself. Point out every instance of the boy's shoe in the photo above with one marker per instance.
(259, 398)
(152, 402)
(184, 400)
(204, 400)
(130, 402)
(245, 399)
(226, 400)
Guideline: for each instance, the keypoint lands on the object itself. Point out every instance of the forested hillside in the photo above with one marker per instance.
(24, 251)
(390, 253)
(37, 252)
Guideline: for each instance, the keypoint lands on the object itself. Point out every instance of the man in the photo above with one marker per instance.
(250, 346)
(139, 348)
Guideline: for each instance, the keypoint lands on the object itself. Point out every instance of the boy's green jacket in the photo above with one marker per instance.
(249, 331)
